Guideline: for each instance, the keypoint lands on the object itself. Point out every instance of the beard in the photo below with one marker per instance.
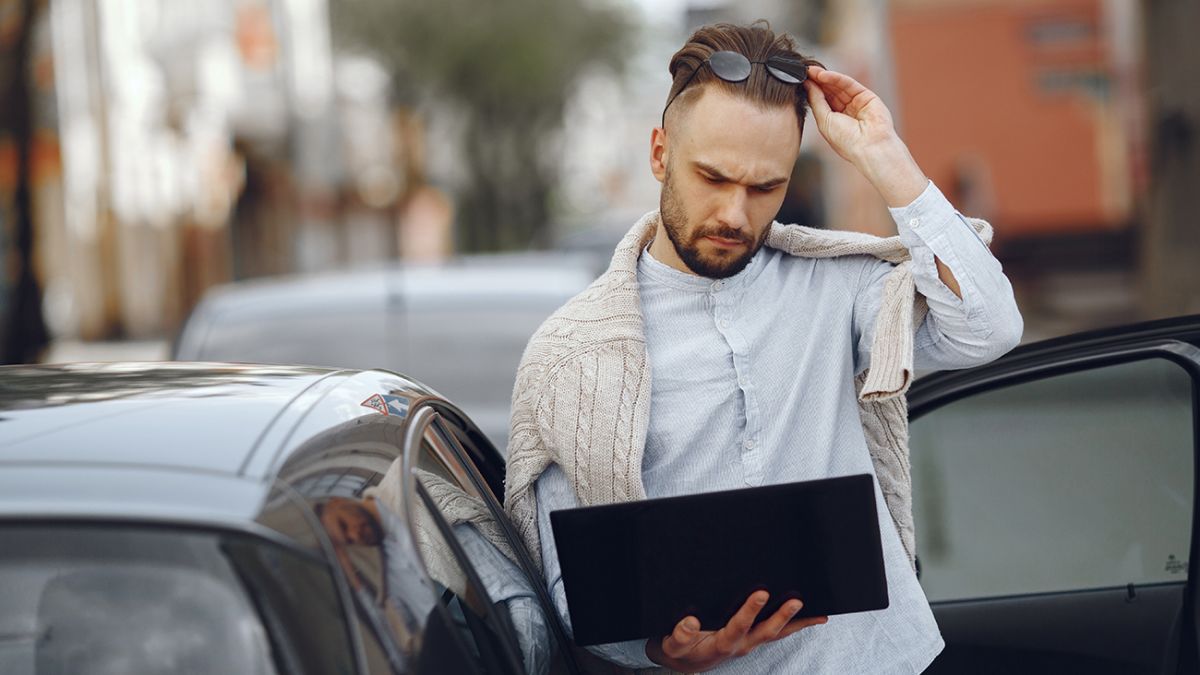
(717, 264)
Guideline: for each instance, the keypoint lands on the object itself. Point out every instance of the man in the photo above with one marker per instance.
(722, 351)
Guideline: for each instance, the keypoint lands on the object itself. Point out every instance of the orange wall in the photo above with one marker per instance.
(968, 82)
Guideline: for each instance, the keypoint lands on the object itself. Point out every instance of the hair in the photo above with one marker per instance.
(757, 42)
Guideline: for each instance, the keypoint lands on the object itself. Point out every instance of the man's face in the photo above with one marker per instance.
(348, 523)
(724, 167)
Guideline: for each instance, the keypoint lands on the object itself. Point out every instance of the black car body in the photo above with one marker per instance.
(200, 518)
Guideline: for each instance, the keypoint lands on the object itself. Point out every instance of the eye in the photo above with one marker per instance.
(765, 189)
(713, 180)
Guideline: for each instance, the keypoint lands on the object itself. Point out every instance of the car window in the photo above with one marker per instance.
(474, 564)
(332, 474)
(1077, 481)
(99, 599)
(370, 546)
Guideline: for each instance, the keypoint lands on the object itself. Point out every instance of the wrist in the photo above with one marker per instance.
(890, 167)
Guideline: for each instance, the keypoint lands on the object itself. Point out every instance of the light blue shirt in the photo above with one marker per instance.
(752, 383)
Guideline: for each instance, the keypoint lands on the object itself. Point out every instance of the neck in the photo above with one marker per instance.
(664, 251)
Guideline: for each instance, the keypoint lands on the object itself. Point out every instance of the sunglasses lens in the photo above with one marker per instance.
(730, 66)
(783, 76)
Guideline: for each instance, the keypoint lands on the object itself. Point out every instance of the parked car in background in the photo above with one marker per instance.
(164, 518)
(461, 325)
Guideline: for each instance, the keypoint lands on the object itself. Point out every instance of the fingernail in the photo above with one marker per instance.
(691, 625)
(795, 606)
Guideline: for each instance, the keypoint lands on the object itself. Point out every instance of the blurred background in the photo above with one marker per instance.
(152, 150)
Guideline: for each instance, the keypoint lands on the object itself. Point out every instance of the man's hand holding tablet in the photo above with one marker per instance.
(757, 564)
(689, 649)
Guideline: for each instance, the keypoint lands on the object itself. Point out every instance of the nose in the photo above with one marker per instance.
(734, 209)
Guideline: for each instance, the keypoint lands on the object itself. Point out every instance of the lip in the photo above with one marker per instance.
(724, 243)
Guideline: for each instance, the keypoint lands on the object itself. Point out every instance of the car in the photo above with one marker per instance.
(209, 518)
(461, 324)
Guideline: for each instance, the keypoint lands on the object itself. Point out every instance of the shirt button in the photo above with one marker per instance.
(723, 324)
(914, 222)
(718, 285)
(748, 444)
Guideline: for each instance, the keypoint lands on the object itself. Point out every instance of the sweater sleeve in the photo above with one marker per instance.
(554, 493)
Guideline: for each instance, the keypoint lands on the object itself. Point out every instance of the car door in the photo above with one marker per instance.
(483, 575)
(329, 477)
(1054, 502)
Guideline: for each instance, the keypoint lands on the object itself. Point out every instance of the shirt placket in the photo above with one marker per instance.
(726, 319)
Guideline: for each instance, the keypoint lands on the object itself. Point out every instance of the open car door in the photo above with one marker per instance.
(1054, 500)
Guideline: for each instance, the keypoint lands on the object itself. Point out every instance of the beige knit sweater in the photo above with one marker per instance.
(582, 394)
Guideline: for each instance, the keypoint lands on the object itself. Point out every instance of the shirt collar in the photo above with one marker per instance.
(660, 272)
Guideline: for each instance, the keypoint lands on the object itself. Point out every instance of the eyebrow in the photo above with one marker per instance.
(716, 173)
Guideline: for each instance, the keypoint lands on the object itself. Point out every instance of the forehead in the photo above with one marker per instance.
(739, 137)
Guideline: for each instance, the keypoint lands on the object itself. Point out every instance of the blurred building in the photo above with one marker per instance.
(1032, 115)
(1021, 110)
(203, 142)
(151, 95)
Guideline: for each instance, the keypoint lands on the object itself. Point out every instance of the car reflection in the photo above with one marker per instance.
(362, 528)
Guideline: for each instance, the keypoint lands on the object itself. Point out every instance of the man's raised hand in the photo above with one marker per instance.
(850, 116)
(858, 126)
(689, 649)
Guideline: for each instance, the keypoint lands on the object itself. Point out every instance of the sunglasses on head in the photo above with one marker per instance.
(735, 67)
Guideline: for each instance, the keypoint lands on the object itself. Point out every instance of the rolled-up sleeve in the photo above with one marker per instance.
(985, 322)
(553, 493)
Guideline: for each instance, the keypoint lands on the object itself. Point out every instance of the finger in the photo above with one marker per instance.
(767, 630)
(734, 632)
(833, 92)
(683, 638)
(813, 87)
(843, 91)
(838, 98)
(800, 624)
(839, 82)
(818, 102)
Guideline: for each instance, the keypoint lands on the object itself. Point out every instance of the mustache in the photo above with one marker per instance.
(725, 233)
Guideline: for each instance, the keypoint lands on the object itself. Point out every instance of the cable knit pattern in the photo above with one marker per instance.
(582, 393)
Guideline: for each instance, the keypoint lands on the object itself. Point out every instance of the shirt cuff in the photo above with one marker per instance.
(631, 654)
(927, 218)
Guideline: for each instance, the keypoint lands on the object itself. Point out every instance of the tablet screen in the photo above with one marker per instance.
(634, 570)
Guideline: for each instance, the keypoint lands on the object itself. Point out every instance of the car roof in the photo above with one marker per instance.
(466, 280)
(187, 416)
(167, 437)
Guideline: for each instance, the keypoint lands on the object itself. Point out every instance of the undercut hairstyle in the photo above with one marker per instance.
(757, 42)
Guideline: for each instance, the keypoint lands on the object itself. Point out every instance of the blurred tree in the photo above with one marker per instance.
(1171, 239)
(24, 329)
(509, 67)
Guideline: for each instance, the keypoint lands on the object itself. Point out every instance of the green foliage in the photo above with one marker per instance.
(510, 66)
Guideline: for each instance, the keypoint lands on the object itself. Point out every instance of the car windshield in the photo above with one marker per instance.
(93, 600)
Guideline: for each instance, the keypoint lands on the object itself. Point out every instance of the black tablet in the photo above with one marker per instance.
(634, 570)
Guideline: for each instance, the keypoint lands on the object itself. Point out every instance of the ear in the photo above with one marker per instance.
(658, 153)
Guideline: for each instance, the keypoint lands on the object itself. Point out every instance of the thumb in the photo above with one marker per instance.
(816, 101)
(682, 639)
